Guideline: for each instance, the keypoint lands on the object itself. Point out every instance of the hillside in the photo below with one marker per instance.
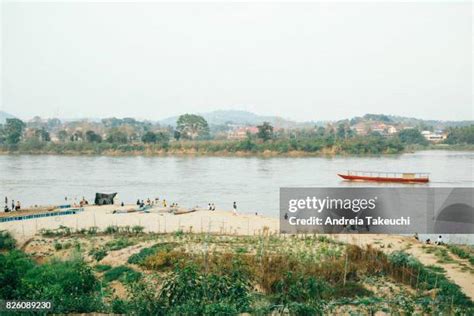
(224, 117)
(408, 121)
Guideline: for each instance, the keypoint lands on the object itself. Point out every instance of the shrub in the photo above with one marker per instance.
(137, 229)
(102, 267)
(143, 254)
(13, 266)
(70, 285)
(118, 244)
(7, 242)
(112, 229)
(122, 273)
(98, 254)
(214, 290)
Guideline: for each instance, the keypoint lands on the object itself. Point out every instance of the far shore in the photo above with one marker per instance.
(262, 154)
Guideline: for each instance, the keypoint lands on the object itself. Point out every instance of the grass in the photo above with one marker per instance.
(184, 273)
(463, 252)
(102, 267)
(140, 257)
(119, 243)
(122, 273)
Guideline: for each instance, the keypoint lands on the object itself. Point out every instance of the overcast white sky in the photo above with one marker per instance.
(306, 61)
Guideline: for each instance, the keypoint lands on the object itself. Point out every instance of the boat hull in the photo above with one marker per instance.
(382, 179)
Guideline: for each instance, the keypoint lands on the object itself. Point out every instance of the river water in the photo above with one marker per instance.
(253, 183)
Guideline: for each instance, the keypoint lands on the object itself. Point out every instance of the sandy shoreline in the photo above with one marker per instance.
(223, 222)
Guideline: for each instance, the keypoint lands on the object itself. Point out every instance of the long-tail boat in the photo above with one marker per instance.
(378, 176)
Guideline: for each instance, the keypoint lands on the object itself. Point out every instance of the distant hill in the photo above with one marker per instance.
(224, 117)
(4, 116)
(408, 121)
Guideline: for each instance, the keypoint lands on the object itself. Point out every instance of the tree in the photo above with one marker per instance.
(93, 137)
(341, 131)
(461, 135)
(14, 130)
(162, 137)
(265, 131)
(149, 137)
(412, 136)
(62, 135)
(42, 135)
(116, 136)
(192, 126)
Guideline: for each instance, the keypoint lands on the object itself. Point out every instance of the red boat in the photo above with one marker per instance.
(399, 177)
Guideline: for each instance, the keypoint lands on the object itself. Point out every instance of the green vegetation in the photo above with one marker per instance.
(197, 274)
(412, 136)
(464, 252)
(191, 126)
(140, 257)
(429, 279)
(7, 242)
(461, 135)
(102, 267)
(70, 285)
(193, 135)
(122, 273)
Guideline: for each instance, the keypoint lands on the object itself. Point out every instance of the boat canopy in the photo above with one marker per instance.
(380, 174)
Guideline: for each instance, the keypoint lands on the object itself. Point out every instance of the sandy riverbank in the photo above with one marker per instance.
(223, 222)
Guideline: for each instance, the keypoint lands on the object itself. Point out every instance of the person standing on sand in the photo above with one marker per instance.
(235, 208)
(213, 207)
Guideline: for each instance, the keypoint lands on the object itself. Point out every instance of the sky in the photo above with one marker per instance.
(304, 61)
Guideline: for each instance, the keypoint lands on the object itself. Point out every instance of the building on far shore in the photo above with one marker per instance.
(434, 136)
(240, 133)
(364, 128)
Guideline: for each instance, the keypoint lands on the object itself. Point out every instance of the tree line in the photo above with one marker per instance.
(192, 132)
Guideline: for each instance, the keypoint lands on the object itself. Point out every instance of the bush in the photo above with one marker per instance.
(13, 266)
(98, 254)
(58, 246)
(209, 291)
(7, 242)
(70, 285)
(137, 229)
(112, 229)
(122, 273)
(102, 267)
(143, 254)
(118, 244)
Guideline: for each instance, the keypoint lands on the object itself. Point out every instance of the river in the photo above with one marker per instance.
(252, 182)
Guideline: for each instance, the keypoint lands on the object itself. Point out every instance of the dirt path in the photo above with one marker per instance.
(389, 243)
(465, 279)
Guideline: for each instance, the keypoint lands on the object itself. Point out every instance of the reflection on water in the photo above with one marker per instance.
(252, 182)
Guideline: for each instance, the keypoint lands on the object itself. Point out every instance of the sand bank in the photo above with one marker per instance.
(223, 222)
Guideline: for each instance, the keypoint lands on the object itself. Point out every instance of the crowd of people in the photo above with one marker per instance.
(155, 202)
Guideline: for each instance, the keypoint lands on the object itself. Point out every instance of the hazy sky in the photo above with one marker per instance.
(304, 61)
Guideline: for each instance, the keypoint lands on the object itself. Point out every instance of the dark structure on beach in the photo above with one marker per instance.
(104, 198)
